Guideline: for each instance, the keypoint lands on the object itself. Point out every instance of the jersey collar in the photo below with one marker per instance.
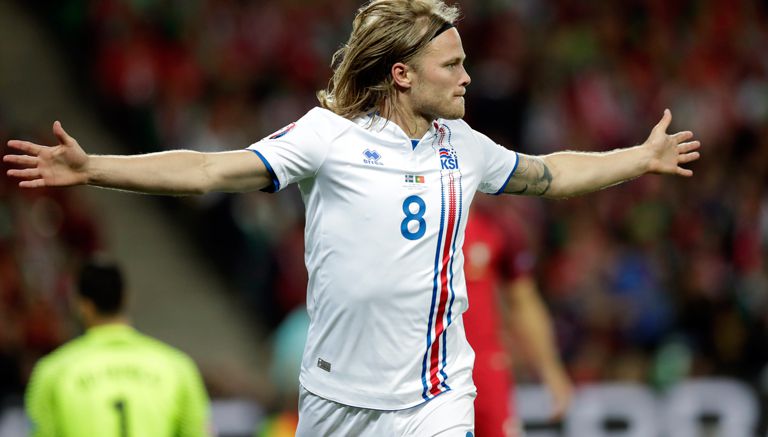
(375, 122)
(108, 329)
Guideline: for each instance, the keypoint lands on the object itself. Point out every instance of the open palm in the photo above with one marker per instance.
(43, 166)
(670, 151)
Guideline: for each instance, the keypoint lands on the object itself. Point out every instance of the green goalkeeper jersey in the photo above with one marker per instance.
(116, 382)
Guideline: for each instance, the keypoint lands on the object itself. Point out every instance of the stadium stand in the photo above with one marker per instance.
(653, 285)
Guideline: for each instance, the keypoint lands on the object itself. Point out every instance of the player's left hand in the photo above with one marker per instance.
(560, 388)
(670, 151)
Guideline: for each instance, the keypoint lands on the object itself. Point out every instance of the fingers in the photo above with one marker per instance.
(26, 147)
(665, 121)
(24, 173)
(37, 183)
(26, 160)
(682, 136)
(688, 157)
(688, 147)
(60, 133)
(31, 175)
(30, 160)
(687, 152)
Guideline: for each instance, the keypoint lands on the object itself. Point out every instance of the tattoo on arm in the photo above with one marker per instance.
(532, 177)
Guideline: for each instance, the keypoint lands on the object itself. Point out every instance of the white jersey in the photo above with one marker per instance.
(384, 228)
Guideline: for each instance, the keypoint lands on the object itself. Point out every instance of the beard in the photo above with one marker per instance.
(452, 109)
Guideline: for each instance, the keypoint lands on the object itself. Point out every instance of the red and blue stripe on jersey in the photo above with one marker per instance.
(433, 376)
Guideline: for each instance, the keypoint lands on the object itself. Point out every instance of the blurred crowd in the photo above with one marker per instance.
(44, 236)
(659, 280)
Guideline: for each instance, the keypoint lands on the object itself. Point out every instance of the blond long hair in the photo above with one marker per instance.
(384, 32)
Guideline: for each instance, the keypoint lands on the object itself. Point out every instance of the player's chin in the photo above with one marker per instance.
(454, 111)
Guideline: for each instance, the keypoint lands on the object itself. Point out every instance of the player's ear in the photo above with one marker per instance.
(401, 75)
(85, 309)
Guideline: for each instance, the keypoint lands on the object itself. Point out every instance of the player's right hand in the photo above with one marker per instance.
(671, 151)
(42, 166)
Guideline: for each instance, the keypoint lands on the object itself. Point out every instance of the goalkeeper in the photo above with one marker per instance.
(114, 381)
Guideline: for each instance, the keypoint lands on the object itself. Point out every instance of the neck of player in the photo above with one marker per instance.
(101, 320)
(414, 124)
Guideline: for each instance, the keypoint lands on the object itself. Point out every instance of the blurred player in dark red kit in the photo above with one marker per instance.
(503, 299)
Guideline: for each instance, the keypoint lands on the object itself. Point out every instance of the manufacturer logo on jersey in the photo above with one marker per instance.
(372, 157)
(281, 132)
(448, 159)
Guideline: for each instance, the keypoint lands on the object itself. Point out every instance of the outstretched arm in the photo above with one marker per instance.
(532, 326)
(178, 172)
(565, 174)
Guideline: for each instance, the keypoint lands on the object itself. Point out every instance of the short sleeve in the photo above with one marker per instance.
(499, 165)
(293, 153)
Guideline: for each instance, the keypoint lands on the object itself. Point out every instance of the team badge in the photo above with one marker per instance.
(448, 159)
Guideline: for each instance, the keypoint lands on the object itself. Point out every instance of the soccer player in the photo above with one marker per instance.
(504, 300)
(387, 170)
(114, 381)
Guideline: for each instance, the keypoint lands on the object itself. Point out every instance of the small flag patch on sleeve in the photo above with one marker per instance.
(414, 179)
